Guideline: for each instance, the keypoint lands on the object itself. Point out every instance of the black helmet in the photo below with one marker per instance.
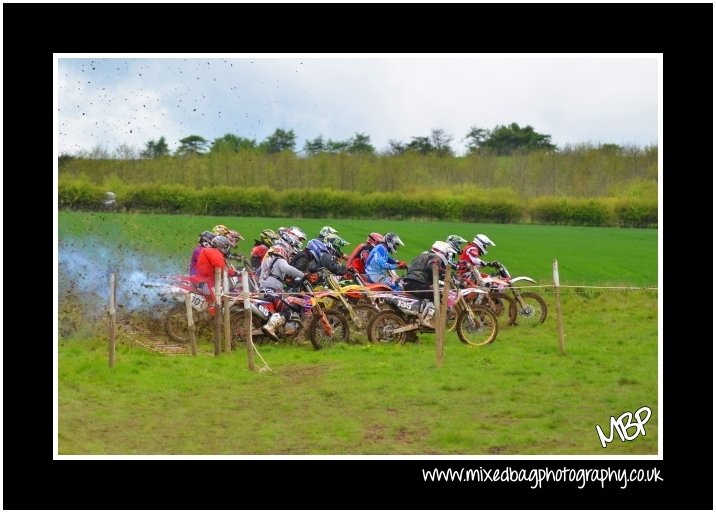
(205, 238)
(222, 244)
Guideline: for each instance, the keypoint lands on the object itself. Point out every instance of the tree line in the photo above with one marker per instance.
(502, 140)
(581, 171)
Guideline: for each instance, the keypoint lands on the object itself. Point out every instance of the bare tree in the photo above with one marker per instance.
(441, 142)
(125, 152)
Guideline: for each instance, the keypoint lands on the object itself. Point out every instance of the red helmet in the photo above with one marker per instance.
(374, 238)
(278, 250)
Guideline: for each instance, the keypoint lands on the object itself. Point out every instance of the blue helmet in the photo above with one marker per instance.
(316, 247)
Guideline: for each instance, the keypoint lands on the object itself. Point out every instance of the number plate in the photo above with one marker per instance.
(199, 302)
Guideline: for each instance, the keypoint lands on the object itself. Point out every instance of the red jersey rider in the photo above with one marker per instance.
(209, 259)
(471, 254)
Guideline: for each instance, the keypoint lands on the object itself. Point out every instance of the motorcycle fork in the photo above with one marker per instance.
(518, 298)
(461, 305)
(347, 305)
(327, 328)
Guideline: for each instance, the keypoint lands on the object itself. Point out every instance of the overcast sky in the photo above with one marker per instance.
(110, 102)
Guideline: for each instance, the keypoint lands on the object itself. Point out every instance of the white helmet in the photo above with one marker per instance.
(444, 250)
(290, 242)
(298, 233)
(392, 240)
(482, 241)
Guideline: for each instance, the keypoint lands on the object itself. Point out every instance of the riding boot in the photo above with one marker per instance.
(274, 322)
(427, 314)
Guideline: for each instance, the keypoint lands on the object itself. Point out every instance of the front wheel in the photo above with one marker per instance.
(478, 329)
(324, 334)
(381, 327)
(503, 306)
(532, 310)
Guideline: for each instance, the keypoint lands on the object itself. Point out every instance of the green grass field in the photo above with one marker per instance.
(518, 396)
(586, 256)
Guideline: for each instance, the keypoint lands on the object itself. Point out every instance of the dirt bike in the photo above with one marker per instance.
(323, 326)
(376, 294)
(351, 300)
(175, 320)
(371, 288)
(502, 305)
(476, 325)
(531, 307)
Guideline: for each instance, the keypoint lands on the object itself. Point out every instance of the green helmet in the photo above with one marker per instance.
(455, 241)
(268, 237)
(326, 231)
(336, 242)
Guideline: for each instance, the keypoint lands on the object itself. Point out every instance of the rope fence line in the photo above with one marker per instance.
(368, 292)
(266, 365)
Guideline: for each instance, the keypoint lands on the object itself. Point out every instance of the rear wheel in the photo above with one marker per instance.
(239, 332)
(533, 312)
(175, 324)
(337, 329)
(363, 314)
(478, 329)
(381, 326)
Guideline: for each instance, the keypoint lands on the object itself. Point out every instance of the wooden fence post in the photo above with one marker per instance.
(112, 317)
(444, 309)
(437, 320)
(227, 319)
(560, 329)
(217, 311)
(190, 323)
(248, 319)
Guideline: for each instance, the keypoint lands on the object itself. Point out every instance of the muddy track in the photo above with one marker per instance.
(156, 342)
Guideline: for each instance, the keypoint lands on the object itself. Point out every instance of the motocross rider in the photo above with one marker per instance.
(419, 278)
(267, 238)
(211, 258)
(274, 270)
(379, 261)
(316, 255)
(204, 242)
(357, 258)
(471, 254)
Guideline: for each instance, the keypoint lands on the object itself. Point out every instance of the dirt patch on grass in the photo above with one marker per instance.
(410, 435)
(375, 433)
(297, 375)
(497, 449)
